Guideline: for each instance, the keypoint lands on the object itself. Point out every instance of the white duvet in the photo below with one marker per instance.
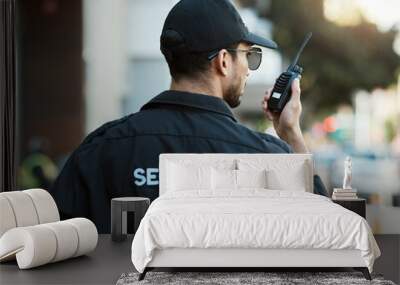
(250, 219)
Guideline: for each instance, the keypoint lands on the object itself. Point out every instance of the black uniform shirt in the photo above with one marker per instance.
(121, 157)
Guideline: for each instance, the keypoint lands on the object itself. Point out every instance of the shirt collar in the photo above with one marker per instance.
(194, 100)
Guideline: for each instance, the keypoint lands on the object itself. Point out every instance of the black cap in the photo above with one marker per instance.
(205, 26)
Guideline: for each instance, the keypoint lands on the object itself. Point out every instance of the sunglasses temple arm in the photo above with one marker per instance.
(214, 54)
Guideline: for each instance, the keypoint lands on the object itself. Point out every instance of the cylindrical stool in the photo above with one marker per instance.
(119, 209)
(396, 200)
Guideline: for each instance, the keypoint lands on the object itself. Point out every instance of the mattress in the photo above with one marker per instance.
(251, 218)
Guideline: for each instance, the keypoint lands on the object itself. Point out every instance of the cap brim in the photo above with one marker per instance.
(257, 40)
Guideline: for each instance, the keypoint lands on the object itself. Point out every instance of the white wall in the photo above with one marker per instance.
(104, 53)
(147, 73)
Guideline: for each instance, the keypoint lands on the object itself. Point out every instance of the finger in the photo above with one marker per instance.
(296, 85)
(274, 115)
(264, 104)
(268, 93)
(271, 115)
(296, 91)
(265, 109)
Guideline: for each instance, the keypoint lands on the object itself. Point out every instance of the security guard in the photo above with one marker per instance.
(209, 52)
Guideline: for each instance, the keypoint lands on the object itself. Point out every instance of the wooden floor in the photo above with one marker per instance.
(389, 262)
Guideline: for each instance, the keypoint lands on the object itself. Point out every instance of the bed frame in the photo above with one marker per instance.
(242, 259)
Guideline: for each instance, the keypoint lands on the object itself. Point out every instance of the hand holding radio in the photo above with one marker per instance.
(282, 90)
(282, 103)
(287, 122)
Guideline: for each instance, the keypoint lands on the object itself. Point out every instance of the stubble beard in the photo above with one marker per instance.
(233, 94)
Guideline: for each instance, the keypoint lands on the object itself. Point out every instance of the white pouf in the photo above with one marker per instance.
(45, 205)
(26, 208)
(40, 244)
(31, 231)
(23, 208)
(7, 219)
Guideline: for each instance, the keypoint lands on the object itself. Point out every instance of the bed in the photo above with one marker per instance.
(247, 210)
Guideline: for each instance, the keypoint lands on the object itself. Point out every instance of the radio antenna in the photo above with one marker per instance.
(306, 39)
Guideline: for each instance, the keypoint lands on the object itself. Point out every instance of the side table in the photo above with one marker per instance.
(355, 205)
(119, 208)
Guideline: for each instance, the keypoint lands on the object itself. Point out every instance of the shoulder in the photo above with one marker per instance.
(270, 143)
(276, 141)
(128, 127)
(107, 133)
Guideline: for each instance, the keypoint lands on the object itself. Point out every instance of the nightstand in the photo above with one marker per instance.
(356, 205)
(119, 208)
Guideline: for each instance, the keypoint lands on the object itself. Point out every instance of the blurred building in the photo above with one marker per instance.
(124, 65)
(375, 118)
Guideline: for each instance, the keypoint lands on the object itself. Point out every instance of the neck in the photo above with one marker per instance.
(196, 86)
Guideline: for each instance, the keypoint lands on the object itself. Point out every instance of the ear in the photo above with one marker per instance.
(222, 62)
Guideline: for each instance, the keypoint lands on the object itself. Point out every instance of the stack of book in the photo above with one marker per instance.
(344, 194)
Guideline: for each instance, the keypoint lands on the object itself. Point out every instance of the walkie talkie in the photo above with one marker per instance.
(282, 90)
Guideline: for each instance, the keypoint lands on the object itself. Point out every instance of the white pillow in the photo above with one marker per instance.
(223, 179)
(285, 172)
(251, 178)
(181, 177)
(230, 180)
(293, 181)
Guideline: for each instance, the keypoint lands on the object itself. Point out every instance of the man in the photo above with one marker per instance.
(209, 52)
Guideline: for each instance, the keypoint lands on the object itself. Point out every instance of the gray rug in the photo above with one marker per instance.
(229, 278)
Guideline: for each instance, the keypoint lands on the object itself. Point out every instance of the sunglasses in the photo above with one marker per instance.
(254, 56)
